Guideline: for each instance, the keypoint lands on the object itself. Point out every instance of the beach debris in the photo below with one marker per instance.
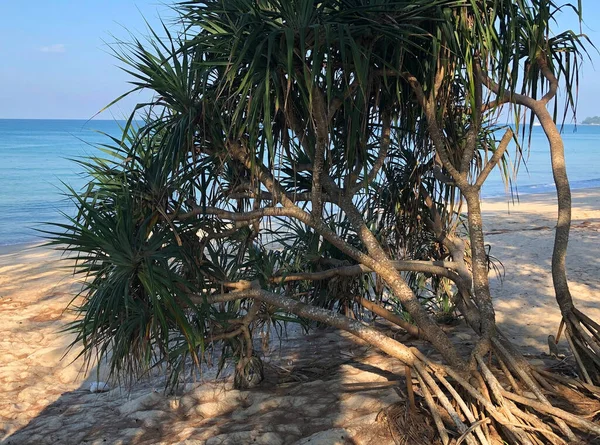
(552, 346)
(99, 387)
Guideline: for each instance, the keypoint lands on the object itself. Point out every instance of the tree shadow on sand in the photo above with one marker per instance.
(325, 387)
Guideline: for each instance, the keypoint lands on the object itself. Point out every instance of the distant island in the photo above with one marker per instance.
(591, 120)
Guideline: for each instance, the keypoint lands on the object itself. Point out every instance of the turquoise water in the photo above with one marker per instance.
(582, 153)
(35, 157)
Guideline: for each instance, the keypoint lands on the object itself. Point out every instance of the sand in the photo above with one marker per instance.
(45, 398)
(521, 236)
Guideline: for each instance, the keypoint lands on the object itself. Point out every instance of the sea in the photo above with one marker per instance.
(37, 160)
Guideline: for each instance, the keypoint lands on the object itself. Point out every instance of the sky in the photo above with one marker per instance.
(55, 59)
(56, 62)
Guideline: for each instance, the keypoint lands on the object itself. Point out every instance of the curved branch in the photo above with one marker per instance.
(550, 77)
(428, 106)
(505, 96)
(383, 266)
(321, 124)
(495, 158)
(241, 153)
(369, 334)
(473, 132)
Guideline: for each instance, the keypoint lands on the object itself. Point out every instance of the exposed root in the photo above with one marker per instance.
(464, 407)
(435, 412)
(572, 383)
(540, 412)
(583, 335)
(249, 372)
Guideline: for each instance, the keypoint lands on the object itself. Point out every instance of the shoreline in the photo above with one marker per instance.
(487, 202)
(541, 189)
(16, 251)
(545, 195)
(540, 208)
(45, 395)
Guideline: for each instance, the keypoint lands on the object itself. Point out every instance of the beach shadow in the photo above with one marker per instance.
(304, 392)
(315, 385)
(524, 296)
(325, 381)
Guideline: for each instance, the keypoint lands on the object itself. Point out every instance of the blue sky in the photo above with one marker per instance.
(55, 58)
(56, 64)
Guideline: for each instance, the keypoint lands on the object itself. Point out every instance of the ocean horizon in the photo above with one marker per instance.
(37, 161)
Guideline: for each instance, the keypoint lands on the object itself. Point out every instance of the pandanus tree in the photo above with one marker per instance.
(548, 59)
(301, 160)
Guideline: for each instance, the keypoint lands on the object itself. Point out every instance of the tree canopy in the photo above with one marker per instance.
(308, 161)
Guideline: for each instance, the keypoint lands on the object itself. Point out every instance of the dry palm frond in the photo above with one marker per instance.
(408, 427)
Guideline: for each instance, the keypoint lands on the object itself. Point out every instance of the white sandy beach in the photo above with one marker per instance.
(521, 237)
(44, 399)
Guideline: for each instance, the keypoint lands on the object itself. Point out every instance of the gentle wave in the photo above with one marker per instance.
(542, 188)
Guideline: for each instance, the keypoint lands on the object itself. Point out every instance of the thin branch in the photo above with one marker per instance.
(336, 103)
(381, 155)
(550, 77)
(268, 196)
(235, 216)
(436, 135)
(455, 246)
(244, 322)
(389, 316)
(473, 133)
(495, 158)
(330, 318)
(321, 124)
(226, 233)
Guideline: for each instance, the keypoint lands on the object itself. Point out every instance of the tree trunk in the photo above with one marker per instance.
(479, 264)
(563, 224)
(585, 348)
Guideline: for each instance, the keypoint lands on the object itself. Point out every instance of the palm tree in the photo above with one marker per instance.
(302, 159)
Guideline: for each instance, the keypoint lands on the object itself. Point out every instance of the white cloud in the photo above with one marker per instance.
(55, 48)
